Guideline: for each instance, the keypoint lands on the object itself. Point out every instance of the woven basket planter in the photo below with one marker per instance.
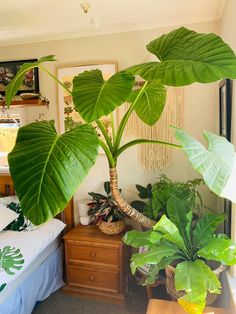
(112, 228)
(170, 285)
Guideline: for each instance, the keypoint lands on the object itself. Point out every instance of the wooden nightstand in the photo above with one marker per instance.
(96, 264)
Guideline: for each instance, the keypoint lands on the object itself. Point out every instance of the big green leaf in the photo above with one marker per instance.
(94, 97)
(151, 103)
(139, 239)
(177, 212)
(152, 256)
(215, 163)
(195, 278)
(16, 83)
(205, 227)
(186, 57)
(47, 168)
(11, 259)
(219, 249)
(169, 231)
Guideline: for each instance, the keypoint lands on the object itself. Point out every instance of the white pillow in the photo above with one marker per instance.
(6, 216)
(9, 199)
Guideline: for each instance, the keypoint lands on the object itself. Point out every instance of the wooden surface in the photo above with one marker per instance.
(26, 103)
(96, 264)
(156, 306)
(7, 188)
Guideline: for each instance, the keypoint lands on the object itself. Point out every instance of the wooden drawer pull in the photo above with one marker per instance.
(92, 254)
(91, 278)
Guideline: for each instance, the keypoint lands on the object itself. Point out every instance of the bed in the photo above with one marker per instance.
(36, 269)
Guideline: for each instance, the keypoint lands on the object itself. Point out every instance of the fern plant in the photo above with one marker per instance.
(156, 196)
(176, 241)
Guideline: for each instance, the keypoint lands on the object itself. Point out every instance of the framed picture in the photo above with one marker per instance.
(225, 113)
(68, 117)
(225, 107)
(8, 70)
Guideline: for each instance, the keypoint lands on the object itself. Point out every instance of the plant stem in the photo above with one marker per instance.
(56, 79)
(110, 158)
(126, 117)
(142, 141)
(101, 126)
(113, 127)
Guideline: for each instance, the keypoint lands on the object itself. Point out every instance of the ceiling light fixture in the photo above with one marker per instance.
(85, 6)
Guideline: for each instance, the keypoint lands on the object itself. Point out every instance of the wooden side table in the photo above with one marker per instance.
(156, 306)
(96, 264)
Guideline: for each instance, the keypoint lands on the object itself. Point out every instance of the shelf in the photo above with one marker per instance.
(26, 103)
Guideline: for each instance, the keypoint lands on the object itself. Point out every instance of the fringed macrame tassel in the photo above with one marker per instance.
(154, 156)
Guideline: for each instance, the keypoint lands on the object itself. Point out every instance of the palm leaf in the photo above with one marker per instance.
(215, 163)
(11, 259)
(94, 97)
(16, 83)
(150, 104)
(186, 57)
(47, 168)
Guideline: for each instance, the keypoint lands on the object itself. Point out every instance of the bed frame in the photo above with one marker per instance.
(7, 188)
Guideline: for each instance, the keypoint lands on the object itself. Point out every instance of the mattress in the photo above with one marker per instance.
(35, 247)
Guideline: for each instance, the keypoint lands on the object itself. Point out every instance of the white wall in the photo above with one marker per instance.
(126, 49)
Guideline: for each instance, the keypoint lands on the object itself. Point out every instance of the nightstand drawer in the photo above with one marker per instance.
(87, 253)
(88, 278)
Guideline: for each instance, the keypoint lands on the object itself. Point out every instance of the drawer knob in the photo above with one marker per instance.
(91, 278)
(92, 254)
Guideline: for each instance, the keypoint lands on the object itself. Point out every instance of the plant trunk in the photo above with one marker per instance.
(124, 206)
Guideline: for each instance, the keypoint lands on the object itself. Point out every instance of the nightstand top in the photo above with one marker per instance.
(91, 232)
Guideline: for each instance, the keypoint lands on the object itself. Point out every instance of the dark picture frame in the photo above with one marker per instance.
(225, 114)
(225, 107)
(8, 70)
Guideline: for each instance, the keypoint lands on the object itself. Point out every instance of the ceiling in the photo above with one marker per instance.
(32, 21)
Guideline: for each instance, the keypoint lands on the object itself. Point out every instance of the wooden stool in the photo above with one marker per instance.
(156, 306)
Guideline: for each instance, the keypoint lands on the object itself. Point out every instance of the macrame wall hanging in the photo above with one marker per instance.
(155, 156)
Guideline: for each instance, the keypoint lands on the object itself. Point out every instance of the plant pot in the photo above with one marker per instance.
(114, 227)
(170, 284)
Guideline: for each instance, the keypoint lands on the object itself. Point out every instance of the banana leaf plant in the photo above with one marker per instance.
(191, 249)
(47, 168)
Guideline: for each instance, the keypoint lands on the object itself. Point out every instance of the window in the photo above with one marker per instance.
(9, 125)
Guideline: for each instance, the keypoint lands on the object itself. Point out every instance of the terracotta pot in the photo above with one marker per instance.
(114, 227)
(170, 284)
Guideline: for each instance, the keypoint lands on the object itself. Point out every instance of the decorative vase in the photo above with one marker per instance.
(83, 207)
(170, 284)
(112, 228)
(84, 220)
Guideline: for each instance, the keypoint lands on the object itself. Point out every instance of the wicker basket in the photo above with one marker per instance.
(170, 285)
(110, 228)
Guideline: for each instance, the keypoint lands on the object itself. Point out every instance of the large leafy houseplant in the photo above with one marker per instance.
(191, 249)
(47, 168)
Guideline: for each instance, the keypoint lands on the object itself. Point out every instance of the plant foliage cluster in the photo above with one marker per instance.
(158, 194)
(191, 248)
(103, 207)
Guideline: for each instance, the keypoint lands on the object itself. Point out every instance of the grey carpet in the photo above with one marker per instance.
(59, 303)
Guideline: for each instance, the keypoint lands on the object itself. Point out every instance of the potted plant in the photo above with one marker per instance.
(158, 194)
(183, 57)
(188, 253)
(105, 212)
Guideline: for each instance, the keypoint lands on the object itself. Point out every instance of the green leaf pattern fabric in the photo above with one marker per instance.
(11, 261)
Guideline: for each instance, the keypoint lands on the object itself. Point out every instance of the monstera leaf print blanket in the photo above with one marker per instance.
(19, 249)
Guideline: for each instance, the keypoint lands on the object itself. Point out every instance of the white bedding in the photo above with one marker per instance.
(30, 244)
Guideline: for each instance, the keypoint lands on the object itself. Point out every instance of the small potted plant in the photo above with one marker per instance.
(154, 198)
(193, 256)
(105, 212)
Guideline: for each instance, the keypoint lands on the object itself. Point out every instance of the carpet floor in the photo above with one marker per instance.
(59, 303)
